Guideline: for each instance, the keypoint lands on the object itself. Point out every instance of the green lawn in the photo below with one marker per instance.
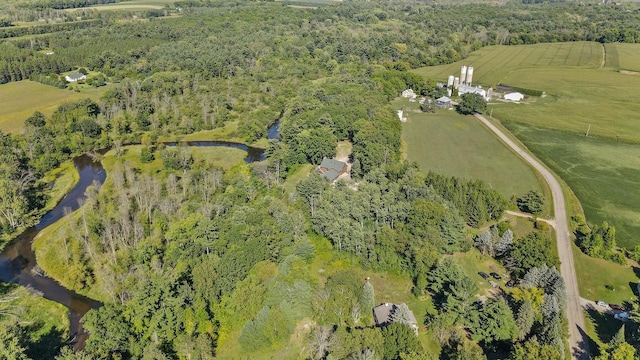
(604, 175)
(453, 144)
(19, 100)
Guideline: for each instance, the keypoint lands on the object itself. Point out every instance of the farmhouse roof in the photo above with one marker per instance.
(331, 164)
(443, 99)
(382, 314)
(76, 76)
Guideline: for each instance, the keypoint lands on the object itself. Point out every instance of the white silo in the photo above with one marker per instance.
(469, 75)
(463, 74)
(450, 81)
(456, 82)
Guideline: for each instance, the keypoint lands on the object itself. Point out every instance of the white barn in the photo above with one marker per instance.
(466, 89)
(514, 96)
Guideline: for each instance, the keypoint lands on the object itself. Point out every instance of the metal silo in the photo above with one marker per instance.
(469, 75)
(450, 81)
(456, 82)
(463, 74)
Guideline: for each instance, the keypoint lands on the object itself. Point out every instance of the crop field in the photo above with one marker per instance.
(132, 5)
(453, 144)
(19, 100)
(493, 64)
(604, 175)
(623, 56)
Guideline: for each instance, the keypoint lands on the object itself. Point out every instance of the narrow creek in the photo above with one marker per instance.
(18, 261)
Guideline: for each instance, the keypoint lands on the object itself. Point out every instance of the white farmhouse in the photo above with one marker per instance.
(75, 77)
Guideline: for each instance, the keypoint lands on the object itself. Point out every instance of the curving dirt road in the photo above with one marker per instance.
(578, 340)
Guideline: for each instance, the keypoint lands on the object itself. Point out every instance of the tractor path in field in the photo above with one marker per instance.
(578, 340)
(551, 222)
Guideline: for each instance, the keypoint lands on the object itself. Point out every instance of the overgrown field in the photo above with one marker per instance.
(604, 175)
(453, 144)
(579, 93)
(19, 100)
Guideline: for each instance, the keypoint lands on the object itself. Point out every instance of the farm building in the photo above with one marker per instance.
(330, 169)
(514, 96)
(466, 89)
(443, 103)
(75, 77)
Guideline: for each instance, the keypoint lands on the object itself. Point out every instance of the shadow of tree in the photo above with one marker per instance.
(42, 346)
(605, 326)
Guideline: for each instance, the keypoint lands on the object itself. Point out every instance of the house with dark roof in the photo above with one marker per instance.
(330, 169)
(75, 77)
(383, 315)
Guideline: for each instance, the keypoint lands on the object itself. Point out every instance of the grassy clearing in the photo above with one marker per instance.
(595, 275)
(453, 144)
(64, 178)
(473, 262)
(19, 100)
(603, 174)
(296, 177)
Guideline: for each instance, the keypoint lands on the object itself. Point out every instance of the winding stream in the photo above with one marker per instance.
(18, 260)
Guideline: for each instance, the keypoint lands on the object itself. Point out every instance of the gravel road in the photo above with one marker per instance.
(578, 340)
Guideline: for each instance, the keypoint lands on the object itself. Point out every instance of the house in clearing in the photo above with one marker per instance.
(75, 77)
(383, 315)
(330, 169)
(443, 103)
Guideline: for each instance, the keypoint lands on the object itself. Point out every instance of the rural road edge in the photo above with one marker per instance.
(578, 340)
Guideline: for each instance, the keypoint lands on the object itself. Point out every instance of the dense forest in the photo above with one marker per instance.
(193, 259)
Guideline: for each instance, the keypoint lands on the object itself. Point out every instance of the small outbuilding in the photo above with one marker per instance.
(75, 77)
(514, 96)
(443, 103)
(330, 169)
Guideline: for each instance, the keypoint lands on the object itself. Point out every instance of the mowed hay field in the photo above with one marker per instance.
(623, 57)
(452, 144)
(131, 5)
(493, 64)
(19, 100)
(579, 92)
(604, 175)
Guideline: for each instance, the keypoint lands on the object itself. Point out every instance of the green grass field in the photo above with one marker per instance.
(453, 144)
(579, 92)
(604, 175)
(623, 56)
(19, 100)
(494, 64)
